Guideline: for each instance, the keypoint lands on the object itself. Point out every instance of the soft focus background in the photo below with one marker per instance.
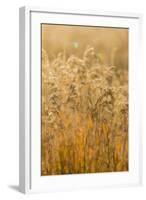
(107, 42)
(9, 87)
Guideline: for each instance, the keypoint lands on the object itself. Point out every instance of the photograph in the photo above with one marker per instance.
(84, 99)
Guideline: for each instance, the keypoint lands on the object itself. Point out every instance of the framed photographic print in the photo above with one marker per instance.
(80, 97)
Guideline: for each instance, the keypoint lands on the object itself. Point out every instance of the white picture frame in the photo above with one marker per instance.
(29, 82)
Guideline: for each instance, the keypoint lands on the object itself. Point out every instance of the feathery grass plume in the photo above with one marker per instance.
(84, 115)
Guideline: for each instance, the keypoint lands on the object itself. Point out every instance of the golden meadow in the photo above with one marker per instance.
(84, 111)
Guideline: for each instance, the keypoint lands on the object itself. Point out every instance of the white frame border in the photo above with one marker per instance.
(25, 89)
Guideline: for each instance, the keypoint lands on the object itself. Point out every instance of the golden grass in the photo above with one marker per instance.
(84, 112)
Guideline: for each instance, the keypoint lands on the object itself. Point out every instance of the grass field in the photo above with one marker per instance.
(84, 115)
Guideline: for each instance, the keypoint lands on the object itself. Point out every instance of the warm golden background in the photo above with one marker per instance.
(84, 99)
